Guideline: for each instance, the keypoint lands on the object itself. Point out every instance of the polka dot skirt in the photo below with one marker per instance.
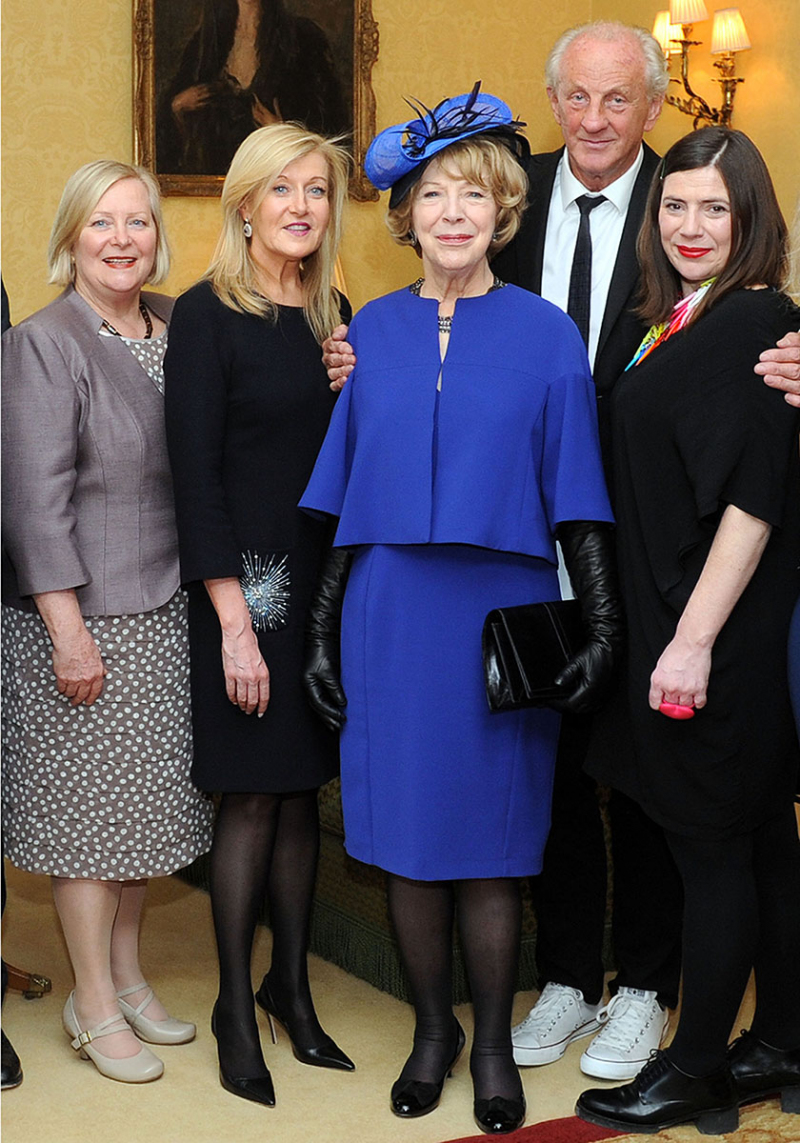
(102, 792)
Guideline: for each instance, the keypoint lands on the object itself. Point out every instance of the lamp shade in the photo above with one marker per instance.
(687, 11)
(729, 33)
(667, 33)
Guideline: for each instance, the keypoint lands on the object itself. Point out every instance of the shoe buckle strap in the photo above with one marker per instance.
(81, 1040)
(149, 995)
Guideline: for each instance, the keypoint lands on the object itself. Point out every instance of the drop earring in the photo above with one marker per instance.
(247, 229)
(412, 238)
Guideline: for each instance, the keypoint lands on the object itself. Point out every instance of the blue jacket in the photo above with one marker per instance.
(507, 449)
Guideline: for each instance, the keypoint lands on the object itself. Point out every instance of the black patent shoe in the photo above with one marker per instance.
(498, 1116)
(326, 1054)
(411, 1098)
(663, 1096)
(760, 1071)
(11, 1069)
(259, 1089)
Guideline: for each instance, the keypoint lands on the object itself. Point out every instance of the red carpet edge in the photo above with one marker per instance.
(569, 1130)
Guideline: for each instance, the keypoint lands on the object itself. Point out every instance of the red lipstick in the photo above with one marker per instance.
(693, 251)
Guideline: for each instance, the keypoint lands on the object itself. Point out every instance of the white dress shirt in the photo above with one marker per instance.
(606, 223)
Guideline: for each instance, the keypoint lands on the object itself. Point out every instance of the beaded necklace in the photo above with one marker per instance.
(148, 324)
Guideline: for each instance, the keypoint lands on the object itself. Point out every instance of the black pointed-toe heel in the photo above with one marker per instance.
(258, 1089)
(498, 1116)
(411, 1098)
(328, 1054)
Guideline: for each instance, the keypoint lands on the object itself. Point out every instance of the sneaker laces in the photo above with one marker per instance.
(624, 1019)
(553, 1001)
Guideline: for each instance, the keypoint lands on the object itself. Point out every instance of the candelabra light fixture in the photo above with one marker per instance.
(673, 30)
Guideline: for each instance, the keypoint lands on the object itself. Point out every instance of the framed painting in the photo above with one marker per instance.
(208, 72)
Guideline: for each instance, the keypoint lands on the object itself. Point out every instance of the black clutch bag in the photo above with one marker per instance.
(524, 648)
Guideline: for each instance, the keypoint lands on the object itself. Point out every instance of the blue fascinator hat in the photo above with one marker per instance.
(397, 156)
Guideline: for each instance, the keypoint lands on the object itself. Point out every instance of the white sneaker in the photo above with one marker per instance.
(558, 1017)
(634, 1024)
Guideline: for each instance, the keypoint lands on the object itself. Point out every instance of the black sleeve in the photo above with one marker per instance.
(737, 439)
(345, 309)
(5, 314)
(197, 391)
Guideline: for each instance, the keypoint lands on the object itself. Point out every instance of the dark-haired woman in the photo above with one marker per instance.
(707, 469)
(249, 63)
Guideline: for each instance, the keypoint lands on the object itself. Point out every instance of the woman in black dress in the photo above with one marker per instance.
(706, 464)
(247, 408)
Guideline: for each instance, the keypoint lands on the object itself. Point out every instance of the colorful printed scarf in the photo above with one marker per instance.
(679, 318)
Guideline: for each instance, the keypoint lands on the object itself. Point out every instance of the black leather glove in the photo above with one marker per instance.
(589, 555)
(322, 668)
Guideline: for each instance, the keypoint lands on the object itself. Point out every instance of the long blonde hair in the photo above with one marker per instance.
(232, 272)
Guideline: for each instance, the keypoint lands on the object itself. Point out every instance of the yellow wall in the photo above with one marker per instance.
(67, 81)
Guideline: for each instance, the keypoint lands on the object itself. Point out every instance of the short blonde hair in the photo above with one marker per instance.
(259, 160)
(487, 163)
(81, 195)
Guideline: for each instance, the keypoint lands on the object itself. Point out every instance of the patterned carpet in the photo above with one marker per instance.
(760, 1123)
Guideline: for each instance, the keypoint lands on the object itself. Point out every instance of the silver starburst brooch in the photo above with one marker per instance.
(265, 586)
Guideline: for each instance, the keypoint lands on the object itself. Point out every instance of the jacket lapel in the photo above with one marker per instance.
(626, 267)
(110, 357)
(542, 173)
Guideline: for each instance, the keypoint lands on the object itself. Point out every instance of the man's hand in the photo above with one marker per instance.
(780, 367)
(338, 357)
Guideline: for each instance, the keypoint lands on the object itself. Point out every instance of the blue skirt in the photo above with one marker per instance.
(434, 786)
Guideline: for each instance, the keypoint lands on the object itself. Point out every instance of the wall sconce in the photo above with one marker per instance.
(673, 30)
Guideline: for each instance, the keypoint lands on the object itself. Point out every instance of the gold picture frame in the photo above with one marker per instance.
(171, 39)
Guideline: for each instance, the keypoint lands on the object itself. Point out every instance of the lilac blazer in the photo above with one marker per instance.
(87, 491)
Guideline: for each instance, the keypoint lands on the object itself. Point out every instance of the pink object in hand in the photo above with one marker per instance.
(676, 710)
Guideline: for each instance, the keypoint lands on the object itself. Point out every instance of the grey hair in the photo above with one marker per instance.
(656, 74)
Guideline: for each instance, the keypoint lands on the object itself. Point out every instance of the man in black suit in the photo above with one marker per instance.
(606, 85)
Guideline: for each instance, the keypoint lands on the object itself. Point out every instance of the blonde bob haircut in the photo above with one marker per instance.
(81, 195)
(260, 159)
(488, 164)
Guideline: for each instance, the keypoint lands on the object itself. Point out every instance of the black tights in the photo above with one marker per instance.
(264, 844)
(741, 912)
(489, 918)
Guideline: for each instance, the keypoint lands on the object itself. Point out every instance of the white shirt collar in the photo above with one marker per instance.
(619, 192)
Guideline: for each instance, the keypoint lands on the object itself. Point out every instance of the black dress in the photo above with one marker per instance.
(248, 405)
(695, 430)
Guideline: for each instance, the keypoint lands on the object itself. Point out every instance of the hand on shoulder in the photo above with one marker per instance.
(338, 357)
(780, 367)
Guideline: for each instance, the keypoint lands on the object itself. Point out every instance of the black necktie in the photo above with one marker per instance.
(580, 280)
